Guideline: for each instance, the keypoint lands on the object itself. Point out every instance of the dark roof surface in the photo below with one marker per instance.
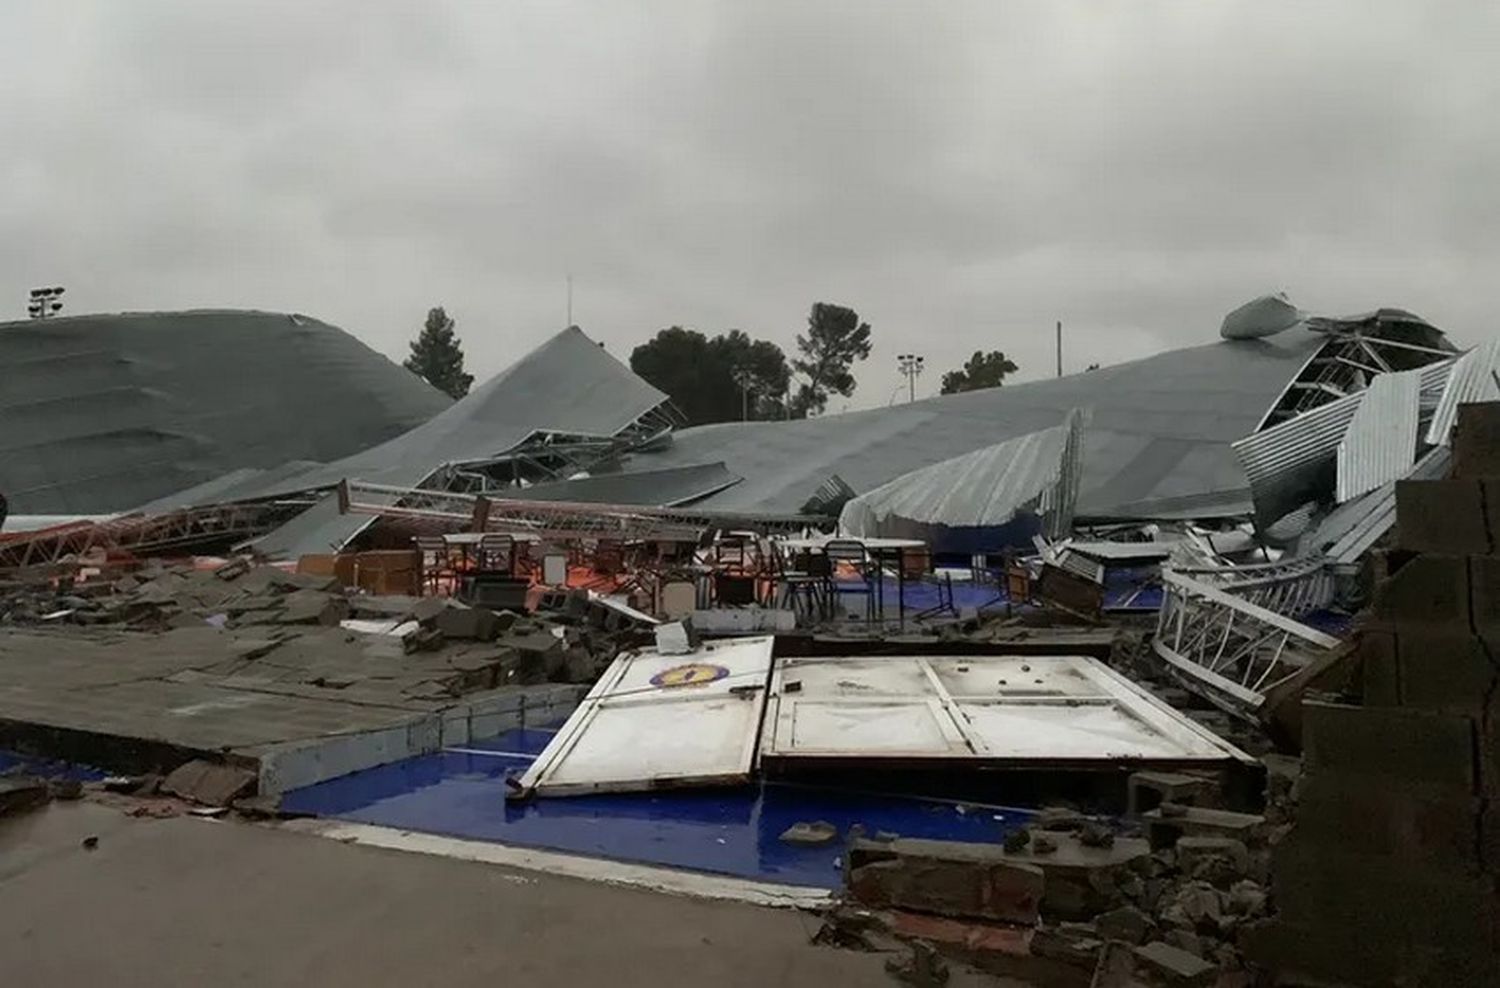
(103, 412)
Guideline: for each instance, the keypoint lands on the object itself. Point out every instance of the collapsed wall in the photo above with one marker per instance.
(1389, 876)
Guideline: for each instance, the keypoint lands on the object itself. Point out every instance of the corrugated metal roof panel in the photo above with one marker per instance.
(981, 489)
(1381, 443)
(1473, 379)
(1284, 463)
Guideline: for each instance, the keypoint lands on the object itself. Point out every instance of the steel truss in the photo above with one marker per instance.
(1291, 588)
(551, 519)
(1228, 649)
(144, 535)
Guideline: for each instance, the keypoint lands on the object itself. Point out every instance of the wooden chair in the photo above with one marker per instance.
(436, 564)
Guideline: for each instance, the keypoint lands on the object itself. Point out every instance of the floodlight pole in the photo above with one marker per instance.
(910, 365)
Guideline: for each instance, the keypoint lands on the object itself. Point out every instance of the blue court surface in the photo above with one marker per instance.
(13, 763)
(461, 793)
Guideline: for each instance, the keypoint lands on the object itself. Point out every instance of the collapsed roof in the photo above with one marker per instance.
(1157, 444)
(567, 398)
(102, 412)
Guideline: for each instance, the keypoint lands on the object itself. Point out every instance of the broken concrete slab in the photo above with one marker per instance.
(1170, 822)
(1148, 790)
(1177, 967)
(209, 783)
(468, 623)
(313, 607)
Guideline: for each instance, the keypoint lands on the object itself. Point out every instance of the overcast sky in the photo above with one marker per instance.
(963, 174)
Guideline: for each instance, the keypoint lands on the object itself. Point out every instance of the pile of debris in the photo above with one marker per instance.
(1071, 899)
(282, 606)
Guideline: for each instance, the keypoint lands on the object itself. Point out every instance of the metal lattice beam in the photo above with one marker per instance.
(552, 519)
(1227, 649)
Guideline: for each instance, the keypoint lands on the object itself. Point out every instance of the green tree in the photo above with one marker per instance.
(437, 357)
(983, 370)
(834, 341)
(719, 379)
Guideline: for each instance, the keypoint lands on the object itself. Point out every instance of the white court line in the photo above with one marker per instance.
(497, 754)
(654, 878)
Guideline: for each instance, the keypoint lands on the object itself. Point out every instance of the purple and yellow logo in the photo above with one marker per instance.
(691, 674)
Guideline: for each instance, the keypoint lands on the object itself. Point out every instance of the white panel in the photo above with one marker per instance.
(627, 742)
(891, 727)
(1095, 731)
(656, 720)
(990, 708)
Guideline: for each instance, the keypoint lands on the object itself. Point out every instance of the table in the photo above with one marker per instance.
(881, 549)
(467, 542)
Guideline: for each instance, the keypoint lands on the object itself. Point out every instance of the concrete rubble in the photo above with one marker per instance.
(249, 678)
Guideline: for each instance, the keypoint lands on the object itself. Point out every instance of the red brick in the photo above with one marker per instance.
(1414, 745)
(1446, 670)
(1442, 516)
(1427, 589)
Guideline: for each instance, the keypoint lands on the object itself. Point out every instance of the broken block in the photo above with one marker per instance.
(949, 878)
(468, 623)
(1148, 790)
(1176, 967)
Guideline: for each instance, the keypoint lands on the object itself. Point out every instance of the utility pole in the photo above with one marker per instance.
(45, 302)
(1059, 348)
(570, 302)
(910, 365)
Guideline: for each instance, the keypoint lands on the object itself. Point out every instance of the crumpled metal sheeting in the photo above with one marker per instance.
(985, 488)
(1381, 443)
(1286, 464)
(1348, 532)
(1473, 380)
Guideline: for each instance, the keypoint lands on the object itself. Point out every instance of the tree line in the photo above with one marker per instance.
(730, 376)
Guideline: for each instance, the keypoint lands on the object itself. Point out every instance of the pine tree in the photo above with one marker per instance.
(437, 357)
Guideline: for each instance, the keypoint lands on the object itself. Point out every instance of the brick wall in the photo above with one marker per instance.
(1390, 875)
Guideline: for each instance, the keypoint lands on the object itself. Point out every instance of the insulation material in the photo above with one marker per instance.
(1036, 474)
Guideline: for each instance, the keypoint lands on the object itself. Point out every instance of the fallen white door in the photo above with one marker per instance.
(661, 721)
(999, 710)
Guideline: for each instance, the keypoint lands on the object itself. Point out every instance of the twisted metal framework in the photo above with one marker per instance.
(551, 519)
(217, 525)
(1228, 649)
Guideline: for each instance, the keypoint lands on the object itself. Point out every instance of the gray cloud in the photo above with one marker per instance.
(963, 174)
